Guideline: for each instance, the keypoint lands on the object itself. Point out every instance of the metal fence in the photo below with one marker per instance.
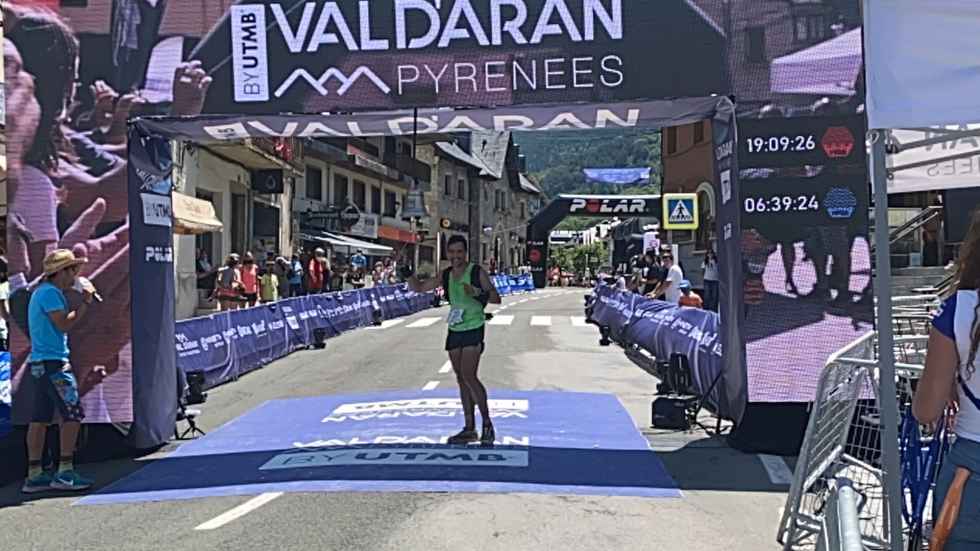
(842, 441)
(841, 530)
(843, 437)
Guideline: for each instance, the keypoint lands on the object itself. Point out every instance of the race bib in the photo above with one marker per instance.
(455, 316)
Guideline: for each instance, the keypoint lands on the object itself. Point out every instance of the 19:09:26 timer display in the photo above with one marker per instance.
(781, 144)
(782, 203)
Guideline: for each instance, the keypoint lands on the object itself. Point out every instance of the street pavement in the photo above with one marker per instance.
(731, 501)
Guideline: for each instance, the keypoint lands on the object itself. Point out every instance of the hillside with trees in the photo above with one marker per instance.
(556, 160)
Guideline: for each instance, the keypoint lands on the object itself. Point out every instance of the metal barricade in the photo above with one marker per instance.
(842, 440)
(841, 530)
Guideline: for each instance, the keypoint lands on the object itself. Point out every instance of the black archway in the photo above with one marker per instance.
(595, 206)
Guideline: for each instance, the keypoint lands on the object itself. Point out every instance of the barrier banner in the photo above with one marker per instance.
(4, 393)
(226, 345)
(663, 329)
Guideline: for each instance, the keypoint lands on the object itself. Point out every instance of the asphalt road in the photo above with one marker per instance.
(729, 499)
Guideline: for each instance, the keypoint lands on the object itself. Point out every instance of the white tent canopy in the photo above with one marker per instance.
(920, 162)
(830, 68)
(922, 67)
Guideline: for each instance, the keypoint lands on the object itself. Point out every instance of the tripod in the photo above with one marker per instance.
(189, 415)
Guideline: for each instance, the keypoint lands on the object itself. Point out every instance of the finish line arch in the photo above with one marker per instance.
(592, 206)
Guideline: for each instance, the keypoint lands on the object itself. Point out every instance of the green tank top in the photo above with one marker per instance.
(473, 317)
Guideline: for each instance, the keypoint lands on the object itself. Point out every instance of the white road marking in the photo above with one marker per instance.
(424, 322)
(238, 512)
(431, 385)
(502, 320)
(522, 301)
(388, 323)
(579, 321)
(542, 321)
(777, 469)
(446, 367)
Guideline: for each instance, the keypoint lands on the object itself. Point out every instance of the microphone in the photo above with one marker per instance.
(83, 283)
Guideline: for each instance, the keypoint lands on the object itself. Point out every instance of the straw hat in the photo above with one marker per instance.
(59, 260)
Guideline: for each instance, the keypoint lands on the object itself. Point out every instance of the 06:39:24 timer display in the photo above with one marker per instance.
(782, 204)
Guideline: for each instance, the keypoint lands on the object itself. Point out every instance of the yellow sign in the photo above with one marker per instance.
(680, 211)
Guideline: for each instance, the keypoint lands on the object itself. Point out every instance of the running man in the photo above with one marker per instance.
(469, 290)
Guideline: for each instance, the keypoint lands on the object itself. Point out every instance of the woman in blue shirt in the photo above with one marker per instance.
(950, 376)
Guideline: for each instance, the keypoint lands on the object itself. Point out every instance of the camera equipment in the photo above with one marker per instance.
(319, 339)
(195, 385)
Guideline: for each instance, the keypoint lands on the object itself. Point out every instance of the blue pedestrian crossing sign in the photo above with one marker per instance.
(680, 211)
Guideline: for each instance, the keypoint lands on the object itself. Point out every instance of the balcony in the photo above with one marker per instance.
(410, 168)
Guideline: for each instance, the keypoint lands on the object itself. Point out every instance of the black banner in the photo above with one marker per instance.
(272, 56)
(151, 266)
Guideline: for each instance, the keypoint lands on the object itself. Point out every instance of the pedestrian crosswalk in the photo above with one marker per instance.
(537, 321)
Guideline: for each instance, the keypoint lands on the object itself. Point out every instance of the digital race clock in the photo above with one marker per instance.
(832, 199)
(799, 141)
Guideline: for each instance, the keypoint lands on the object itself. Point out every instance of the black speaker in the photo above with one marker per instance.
(673, 412)
(267, 181)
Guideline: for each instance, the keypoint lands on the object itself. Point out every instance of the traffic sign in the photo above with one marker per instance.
(680, 211)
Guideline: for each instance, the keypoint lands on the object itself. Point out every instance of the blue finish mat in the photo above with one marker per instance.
(547, 442)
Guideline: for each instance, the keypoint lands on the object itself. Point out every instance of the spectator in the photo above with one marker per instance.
(316, 274)
(269, 285)
(670, 286)
(296, 277)
(359, 260)
(229, 290)
(687, 297)
(949, 388)
(250, 280)
(206, 274)
(710, 266)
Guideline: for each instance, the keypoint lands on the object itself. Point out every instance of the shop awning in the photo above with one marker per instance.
(193, 216)
(347, 242)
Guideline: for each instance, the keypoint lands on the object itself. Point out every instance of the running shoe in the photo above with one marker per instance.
(39, 483)
(488, 436)
(71, 481)
(464, 437)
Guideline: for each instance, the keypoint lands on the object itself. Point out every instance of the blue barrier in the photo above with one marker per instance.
(226, 345)
(5, 391)
(509, 285)
(663, 329)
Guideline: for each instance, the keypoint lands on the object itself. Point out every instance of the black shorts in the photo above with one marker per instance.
(55, 387)
(465, 339)
(251, 297)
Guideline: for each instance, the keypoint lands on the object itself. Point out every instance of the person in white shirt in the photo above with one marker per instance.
(670, 286)
(710, 266)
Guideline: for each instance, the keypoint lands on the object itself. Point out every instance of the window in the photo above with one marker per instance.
(486, 194)
(809, 28)
(461, 188)
(314, 183)
(340, 184)
(375, 200)
(390, 200)
(523, 209)
(699, 131)
(755, 44)
(671, 140)
(360, 195)
(448, 184)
